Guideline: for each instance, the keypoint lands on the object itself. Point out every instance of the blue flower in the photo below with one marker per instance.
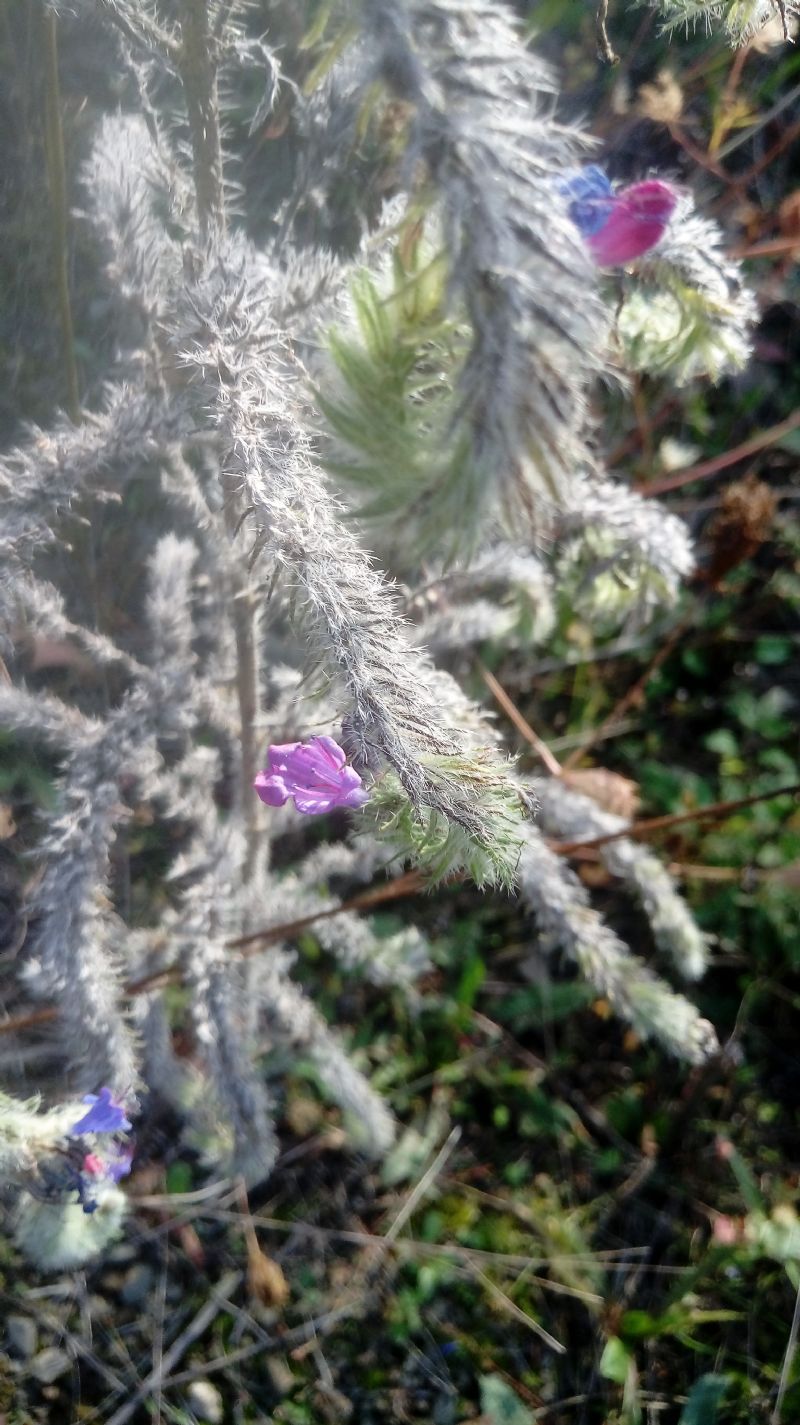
(592, 197)
(105, 1115)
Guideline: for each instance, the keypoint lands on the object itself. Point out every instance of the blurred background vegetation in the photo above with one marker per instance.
(606, 1238)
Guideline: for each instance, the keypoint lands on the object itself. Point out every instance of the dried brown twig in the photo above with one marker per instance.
(767, 437)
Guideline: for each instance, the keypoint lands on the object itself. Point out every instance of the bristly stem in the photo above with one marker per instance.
(245, 630)
(57, 179)
(198, 69)
(140, 29)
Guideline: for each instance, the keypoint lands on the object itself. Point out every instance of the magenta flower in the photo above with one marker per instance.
(314, 773)
(637, 221)
(105, 1115)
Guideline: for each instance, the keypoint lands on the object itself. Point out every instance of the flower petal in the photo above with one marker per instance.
(105, 1115)
(272, 790)
(592, 197)
(331, 749)
(279, 753)
(638, 220)
(313, 802)
(354, 793)
(314, 773)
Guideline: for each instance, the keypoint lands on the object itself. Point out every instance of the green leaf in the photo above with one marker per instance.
(616, 1361)
(318, 26)
(472, 977)
(779, 1234)
(772, 649)
(500, 1404)
(748, 1186)
(722, 741)
(179, 1178)
(680, 1318)
(440, 848)
(333, 51)
(790, 442)
(548, 1003)
(641, 1325)
(400, 435)
(704, 1400)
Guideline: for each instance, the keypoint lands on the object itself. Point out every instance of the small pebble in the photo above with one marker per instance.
(22, 1334)
(205, 1401)
(49, 1364)
(138, 1284)
(99, 1307)
(121, 1254)
(280, 1373)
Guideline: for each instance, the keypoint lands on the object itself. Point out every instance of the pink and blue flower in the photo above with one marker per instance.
(617, 226)
(103, 1166)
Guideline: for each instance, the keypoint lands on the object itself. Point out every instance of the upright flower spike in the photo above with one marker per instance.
(481, 127)
(315, 774)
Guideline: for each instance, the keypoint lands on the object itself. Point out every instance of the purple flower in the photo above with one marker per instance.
(105, 1115)
(314, 773)
(118, 1163)
(617, 226)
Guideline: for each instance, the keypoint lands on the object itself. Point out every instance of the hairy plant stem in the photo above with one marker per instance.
(140, 29)
(245, 630)
(57, 181)
(198, 70)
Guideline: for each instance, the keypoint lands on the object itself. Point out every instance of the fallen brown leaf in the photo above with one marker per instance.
(611, 791)
(265, 1279)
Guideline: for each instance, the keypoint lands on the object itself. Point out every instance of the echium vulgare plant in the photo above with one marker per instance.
(202, 548)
